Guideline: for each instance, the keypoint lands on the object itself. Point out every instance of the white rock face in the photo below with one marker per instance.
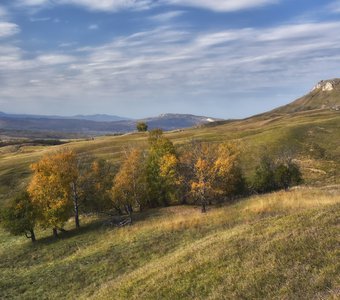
(325, 86)
(328, 87)
(318, 86)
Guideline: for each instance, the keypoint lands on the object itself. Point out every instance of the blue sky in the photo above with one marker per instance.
(139, 58)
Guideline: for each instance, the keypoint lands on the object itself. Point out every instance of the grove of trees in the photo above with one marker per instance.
(65, 185)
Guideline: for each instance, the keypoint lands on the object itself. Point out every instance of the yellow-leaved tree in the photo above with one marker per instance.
(129, 186)
(169, 172)
(229, 178)
(213, 171)
(202, 160)
(52, 188)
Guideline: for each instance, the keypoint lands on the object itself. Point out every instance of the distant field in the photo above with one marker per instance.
(277, 246)
(312, 135)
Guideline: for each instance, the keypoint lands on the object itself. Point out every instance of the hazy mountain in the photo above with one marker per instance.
(176, 121)
(98, 125)
(96, 118)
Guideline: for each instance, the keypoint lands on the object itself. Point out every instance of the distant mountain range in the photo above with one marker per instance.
(96, 118)
(90, 125)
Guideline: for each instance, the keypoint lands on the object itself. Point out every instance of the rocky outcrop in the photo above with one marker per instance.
(328, 85)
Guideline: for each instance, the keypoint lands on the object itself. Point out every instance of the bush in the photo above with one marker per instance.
(263, 181)
(287, 175)
(270, 176)
(142, 127)
(20, 217)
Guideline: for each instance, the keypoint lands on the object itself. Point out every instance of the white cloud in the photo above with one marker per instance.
(334, 7)
(222, 5)
(298, 31)
(166, 17)
(100, 5)
(8, 29)
(115, 5)
(55, 59)
(168, 65)
(93, 27)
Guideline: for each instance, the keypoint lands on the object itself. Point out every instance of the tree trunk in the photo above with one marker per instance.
(204, 210)
(32, 236)
(76, 206)
(129, 210)
(55, 233)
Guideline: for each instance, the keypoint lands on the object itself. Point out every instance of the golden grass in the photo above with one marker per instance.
(294, 200)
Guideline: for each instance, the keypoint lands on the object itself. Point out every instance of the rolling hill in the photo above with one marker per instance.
(277, 246)
(282, 245)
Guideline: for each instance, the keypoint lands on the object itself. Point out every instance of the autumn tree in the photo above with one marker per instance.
(129, 186)
(201, 160)
(213, 171)
(52, 189)
(95, 186)
(20, 216)
(169, 172)
(229, 176)
(160, 152)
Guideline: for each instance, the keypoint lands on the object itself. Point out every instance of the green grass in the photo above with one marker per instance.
(278, 246)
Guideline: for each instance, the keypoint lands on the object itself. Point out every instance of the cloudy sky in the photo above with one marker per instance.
(139, 58)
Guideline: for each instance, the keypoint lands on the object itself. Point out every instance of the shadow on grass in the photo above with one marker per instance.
(70, 233)
(106, 222)
(101, 224)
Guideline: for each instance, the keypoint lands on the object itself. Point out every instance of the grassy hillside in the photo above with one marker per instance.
(278, 246)
(313, 136)
(318, 98)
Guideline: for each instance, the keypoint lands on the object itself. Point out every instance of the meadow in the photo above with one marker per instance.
(277, 246)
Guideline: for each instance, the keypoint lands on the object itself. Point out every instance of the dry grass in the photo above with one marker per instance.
(294, 200)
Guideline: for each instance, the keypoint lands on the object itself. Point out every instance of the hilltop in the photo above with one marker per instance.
(324, 95)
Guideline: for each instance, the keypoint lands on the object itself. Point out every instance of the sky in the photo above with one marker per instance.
(142, 58)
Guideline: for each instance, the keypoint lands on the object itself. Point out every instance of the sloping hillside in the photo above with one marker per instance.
(325, 95)
(279, 246)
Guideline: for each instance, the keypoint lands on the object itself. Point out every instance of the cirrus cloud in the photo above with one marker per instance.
(8, 29)
(115, 5)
